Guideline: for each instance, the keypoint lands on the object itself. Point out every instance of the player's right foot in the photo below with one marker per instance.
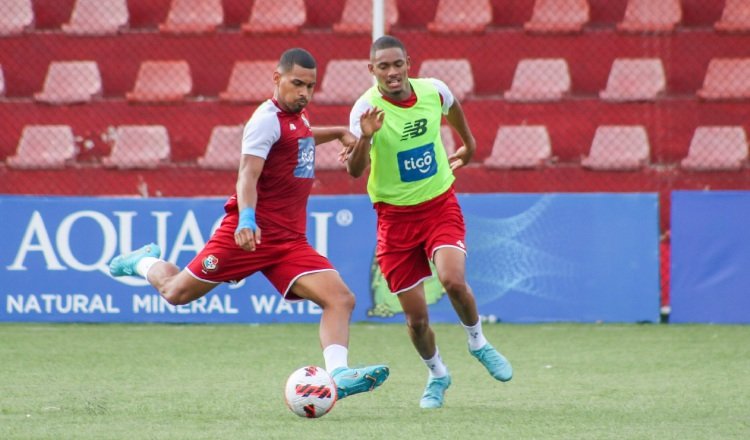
(358, 380)
(496, 364)
(125, 264)
(434, 392)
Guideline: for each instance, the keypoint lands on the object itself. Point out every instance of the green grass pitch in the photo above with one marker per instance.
(572, 381)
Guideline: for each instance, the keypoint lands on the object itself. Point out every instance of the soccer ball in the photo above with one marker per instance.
(310, 392)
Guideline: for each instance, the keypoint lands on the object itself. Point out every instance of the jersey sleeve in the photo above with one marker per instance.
(445, 92)
(361, 106)
(260, 133)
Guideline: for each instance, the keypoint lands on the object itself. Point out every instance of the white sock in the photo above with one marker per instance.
(335, 357)
(144, 265)
(436, 365)
(476, 337)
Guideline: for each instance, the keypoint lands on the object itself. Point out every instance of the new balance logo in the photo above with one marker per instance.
(414, 129)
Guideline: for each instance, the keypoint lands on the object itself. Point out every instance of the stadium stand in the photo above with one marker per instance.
(540, 80)
(269, 17)
(344, 81)
(520, 147)
(70, 82)
(635, 79)
(456, 73)
(44, 147)
(97, 17)
(356, 18)
(249, 82)
(735, 17)
(717, 149)
(193, 16)
(726, 78)
(138, 146)
(223, 149)
(161, 82)
(618, 148)
(2, 81)
(461, 16)
(558, 16)
(16, 17)
(651, 16)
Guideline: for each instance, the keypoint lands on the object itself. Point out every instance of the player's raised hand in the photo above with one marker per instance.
(348, 140)
(371, 121)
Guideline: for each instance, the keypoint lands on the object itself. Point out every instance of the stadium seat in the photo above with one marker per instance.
(521, 146)
(138, 146)
(461, 16)
(70, 82)
(357, 17)
(456, 73)
(541, 79)
(249, 82)
(224, 147)
(161, 81)
(344, 82)
(618, 147)
(717, 149)
(635, 79)
(651, 16)
(726, 78)
(44, 146)
(275, 17)
(15, 16)
(735, 17)
(327, 156)
(2, 81)
(193, 16)
(97, 17)
(446, 135)
(558, 16)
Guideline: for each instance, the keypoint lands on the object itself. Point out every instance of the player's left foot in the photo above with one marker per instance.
(494, 362)
(434, 392)
(358, 380)
(125, 264)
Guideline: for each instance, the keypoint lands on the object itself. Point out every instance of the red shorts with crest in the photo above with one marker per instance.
(408, 237)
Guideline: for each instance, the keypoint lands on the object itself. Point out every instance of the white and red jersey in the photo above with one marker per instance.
(286, 142)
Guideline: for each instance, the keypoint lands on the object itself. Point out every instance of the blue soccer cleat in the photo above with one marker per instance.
(358, 380)
(494, 362)
(125, 264)
(434, 392)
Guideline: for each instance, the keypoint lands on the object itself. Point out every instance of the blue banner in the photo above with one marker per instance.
(710, 281)
(532, 258)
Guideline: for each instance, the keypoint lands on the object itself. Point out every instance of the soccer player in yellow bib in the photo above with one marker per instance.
(419, 218)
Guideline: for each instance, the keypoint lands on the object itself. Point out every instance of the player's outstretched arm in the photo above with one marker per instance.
(457, 120)
(370, 121)
(247, 234)
(327, 134)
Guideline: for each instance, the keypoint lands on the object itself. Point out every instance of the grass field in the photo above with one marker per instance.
(225, 382)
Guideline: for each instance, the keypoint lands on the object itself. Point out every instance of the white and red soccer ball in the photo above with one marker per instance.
(310, 392)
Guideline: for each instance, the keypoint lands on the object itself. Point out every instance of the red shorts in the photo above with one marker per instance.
(408, 237)
(221, 260)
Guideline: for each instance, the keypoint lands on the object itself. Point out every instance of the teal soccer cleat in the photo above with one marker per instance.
(358, 380)
(434, 392)
(125, 264)
(494, 362)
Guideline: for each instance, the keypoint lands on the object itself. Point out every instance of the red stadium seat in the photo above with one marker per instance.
(357, 17)
(249, 82)
(97, 17)
(521, 146)
(735, 17)
(161, 81)
(2, 81)
(459, 16)
(717, 149)
(456, 73)
(542, 79)
(70, 82)
(344, 82)
(276, 17)
(193, 16)
(558, 16)
(327, 156)
(726, 78)
(651, 16)
(224, 148)
(635, 79)
(618, 148)
(44, 146)
(15, 16)
(138, 146)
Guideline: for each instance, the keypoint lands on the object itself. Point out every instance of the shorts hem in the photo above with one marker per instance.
(432, 257)
(413, 285)
(201, 279)
(291, 283)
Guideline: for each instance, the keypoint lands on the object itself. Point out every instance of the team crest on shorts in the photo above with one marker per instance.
(210, 263)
